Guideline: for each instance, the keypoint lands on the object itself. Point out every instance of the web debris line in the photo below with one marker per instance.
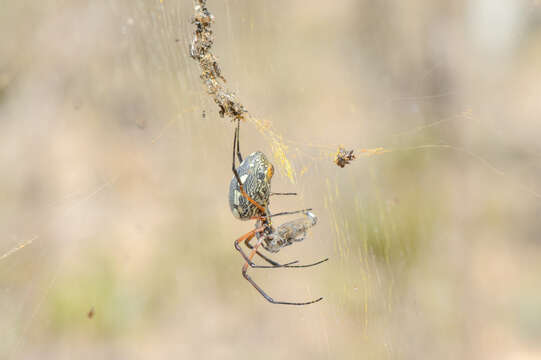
(327, 153)
(228, 103)
(211, 73)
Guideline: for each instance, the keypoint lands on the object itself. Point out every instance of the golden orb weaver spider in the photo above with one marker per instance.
(249, 193)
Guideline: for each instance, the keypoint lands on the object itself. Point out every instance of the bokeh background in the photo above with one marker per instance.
(116, 236)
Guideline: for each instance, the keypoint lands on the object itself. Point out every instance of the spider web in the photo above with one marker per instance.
(117, 237)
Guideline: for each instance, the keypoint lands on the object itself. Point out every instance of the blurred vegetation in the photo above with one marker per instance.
(117, 183)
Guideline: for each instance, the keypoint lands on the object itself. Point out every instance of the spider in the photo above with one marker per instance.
(249, 193)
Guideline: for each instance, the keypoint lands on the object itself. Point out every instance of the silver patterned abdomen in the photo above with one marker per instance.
(255, 172)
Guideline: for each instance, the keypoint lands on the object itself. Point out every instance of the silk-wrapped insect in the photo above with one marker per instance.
(287, 233)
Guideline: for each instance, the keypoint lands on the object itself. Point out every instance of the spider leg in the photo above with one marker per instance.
(270, 261)
(241, 188)
(287, 265)
(246, 238)
(291, 212)
(237, 142)
(306, 265)
(273, 193)
(260, 290)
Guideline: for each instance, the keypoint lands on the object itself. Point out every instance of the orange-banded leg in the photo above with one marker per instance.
(260, 290)
(247, 237)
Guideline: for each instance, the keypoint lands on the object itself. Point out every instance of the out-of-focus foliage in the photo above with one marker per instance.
(114, 184)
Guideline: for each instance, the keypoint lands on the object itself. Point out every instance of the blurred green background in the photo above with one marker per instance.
(116, 184)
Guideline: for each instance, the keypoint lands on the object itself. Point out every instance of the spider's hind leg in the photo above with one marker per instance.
(274, 263)
(246, 239)
(260, 290)
(270, 261)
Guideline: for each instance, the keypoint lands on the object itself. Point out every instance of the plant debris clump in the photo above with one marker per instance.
(211, 74)
(343, 157)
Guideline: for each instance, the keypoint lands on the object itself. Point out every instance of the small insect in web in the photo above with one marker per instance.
(249, 193)
(343, 157)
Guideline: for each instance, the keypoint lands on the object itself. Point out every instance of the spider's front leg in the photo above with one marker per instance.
(273, 263)
(237, 141)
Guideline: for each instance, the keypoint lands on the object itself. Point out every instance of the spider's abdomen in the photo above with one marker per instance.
(255, 172)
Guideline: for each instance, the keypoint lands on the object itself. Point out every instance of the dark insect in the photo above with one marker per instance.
(249, 193)
(343, 157)
(91, 312)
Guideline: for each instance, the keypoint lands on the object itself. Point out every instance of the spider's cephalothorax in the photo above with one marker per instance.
(255, 173)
